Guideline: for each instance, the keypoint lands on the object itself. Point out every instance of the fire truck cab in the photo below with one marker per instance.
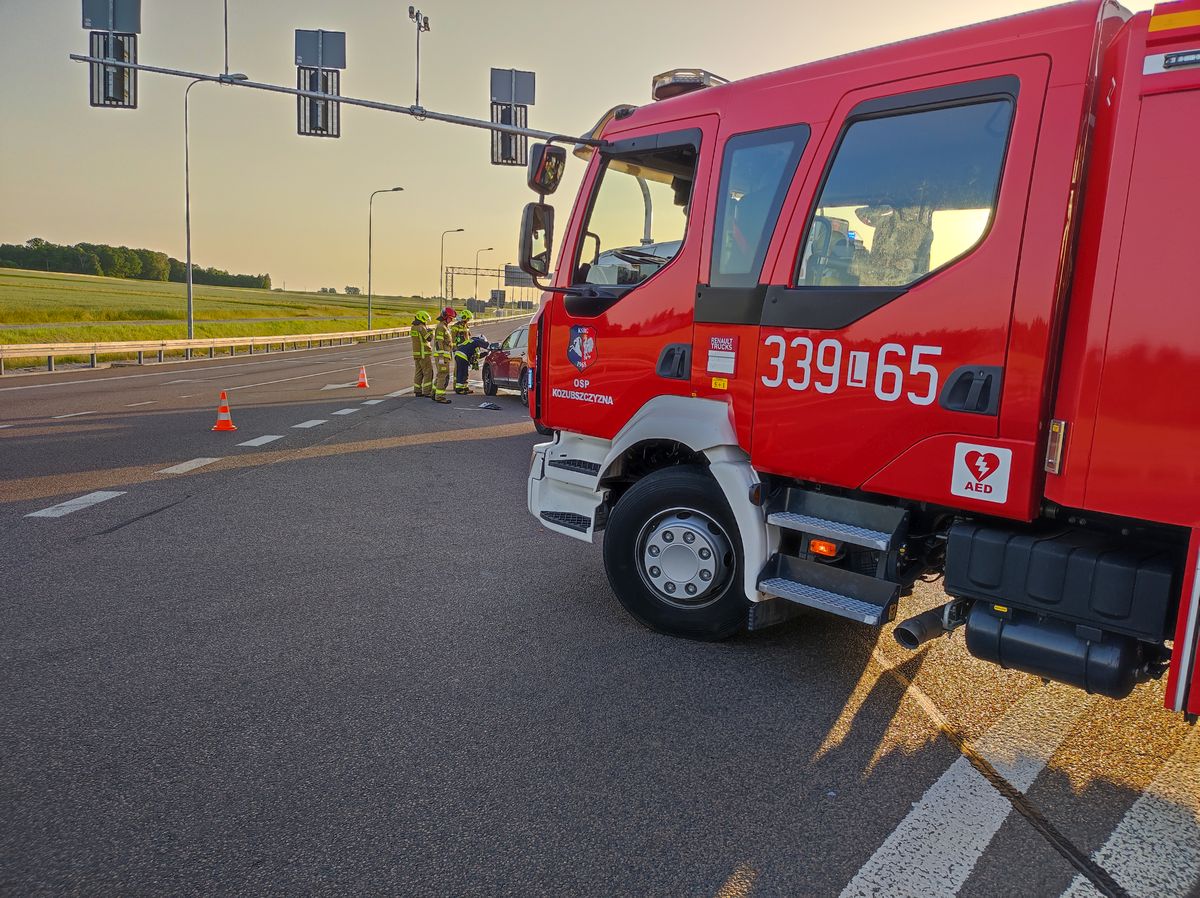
(927, 308)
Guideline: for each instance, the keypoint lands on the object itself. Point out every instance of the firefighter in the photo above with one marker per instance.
(467, 354)
(443, 349)
(422, 349)
(460, 333)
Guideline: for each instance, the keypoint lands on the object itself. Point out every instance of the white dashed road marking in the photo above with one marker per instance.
(372, 402)
(186, 466)
(2, 426)
(75, 414)
(399, 393)
(64, 508)
(346, 411)
(262, 441)
(1155, 849)
(935, 848)
(136, 404)
(315, 422)
(352, 383)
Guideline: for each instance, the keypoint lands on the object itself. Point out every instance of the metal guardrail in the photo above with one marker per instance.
(159, 347)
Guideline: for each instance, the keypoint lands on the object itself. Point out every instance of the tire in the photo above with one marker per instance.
(684, 502)
(489, 382)
(543, 429)
(524, 389)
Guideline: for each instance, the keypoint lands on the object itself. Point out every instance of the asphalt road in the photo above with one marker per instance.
(348, 661)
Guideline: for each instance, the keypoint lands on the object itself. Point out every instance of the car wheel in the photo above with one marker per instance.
(489, 382)
(524, 388)
(673, 555)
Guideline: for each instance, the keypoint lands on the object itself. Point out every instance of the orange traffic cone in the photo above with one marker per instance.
(224, 422)
(362, 377)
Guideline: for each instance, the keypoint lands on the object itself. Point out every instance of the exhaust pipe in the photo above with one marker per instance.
(916, 631)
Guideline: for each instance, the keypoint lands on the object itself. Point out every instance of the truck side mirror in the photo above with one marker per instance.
(546, 165)
(537, 239)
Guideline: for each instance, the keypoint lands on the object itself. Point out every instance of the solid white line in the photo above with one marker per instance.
(1155, 849)
(136, 404)
(64, 508)
(935, 847)
(315, 422)
(186, 466)
(372, 402)
(346, 411)
(262, 441)
(74, 414)
(2, 426)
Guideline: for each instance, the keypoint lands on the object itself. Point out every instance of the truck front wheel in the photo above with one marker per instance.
(674, 556)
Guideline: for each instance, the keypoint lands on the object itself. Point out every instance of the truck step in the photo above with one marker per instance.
(868, 600)
(579, 465)
(835, 530)
(568, 519)
(868, 524)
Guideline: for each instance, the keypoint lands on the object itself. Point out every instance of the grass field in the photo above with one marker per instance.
(115, 308)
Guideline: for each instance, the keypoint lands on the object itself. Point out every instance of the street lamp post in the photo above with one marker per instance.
(187, 195)
(486, 249)
(442, 262)
(371, 241)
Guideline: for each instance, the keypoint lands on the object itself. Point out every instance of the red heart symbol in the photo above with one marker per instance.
(982, 465)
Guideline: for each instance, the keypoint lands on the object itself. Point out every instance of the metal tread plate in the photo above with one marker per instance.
(836, 530)
(568, 519)
(580, 465)
(824, 600)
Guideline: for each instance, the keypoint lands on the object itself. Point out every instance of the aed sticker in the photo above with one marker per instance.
(720, 383)
(981, 472)
(722, 356)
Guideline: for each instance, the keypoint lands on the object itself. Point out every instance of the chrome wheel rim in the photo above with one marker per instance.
(685, 558)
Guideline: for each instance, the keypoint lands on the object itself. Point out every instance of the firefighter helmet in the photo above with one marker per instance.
(466, 315)
(423, 317)
(448, 314)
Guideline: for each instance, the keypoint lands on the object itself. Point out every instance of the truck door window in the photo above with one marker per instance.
(638, 216)
(755, 174)
(906, 194)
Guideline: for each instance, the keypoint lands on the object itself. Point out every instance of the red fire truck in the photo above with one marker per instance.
(928, 308)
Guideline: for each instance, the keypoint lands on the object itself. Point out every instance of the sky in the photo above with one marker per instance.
(267, 200)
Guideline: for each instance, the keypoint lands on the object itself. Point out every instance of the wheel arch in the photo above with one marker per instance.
(682, 429)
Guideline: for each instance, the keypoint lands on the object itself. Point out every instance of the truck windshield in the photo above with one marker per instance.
(637, 218)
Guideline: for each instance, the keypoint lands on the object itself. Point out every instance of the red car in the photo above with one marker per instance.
(506, 364)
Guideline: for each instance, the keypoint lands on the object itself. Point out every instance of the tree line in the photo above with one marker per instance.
(118, 262)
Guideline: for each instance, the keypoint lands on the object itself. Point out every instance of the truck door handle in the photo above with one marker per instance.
(675, 362)
(974, 389)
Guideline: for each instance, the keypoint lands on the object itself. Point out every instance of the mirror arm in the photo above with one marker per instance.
(586, 292)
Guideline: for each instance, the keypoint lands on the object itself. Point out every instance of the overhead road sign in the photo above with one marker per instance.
(512, 86)
(115, 25)
(113, 15)
(321, 49)
(320, 56)
(512, 93)
(515, 277)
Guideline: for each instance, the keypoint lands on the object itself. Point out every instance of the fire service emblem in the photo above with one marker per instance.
(581, 351)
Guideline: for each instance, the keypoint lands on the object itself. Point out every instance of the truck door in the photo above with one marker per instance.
(882, 346)
(635, 242)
